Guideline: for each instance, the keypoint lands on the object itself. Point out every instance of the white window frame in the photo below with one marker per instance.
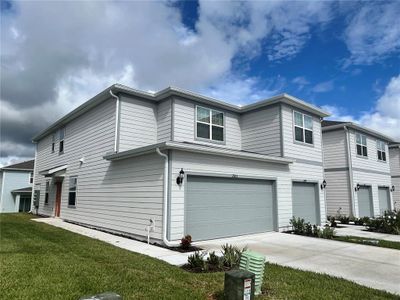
(381, 147)
(75, 191)
(303, 128)
(62, 140)
(47, 192)
(362, 145)
(211, 125)
(30, 177)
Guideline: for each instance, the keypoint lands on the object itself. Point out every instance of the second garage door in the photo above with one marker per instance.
(384, 199)
(305, 202)
(364, 201)
(221, 207)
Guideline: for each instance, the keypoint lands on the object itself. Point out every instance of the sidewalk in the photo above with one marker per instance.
(354, 230)
(169, 256)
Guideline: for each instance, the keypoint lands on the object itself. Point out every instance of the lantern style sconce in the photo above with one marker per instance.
(323, 184)
(181, 176)
(357, 188)
(392, 189)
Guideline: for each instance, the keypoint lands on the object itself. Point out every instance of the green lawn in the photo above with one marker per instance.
(368, 241)
(38, 261)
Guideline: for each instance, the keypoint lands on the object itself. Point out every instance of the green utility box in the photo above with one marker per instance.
(239, 285)
(254, 262)
(103, 296)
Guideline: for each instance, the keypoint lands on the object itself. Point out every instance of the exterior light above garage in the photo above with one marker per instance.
(392, 188)
(181, 176)
(357, 188)
(323, 184)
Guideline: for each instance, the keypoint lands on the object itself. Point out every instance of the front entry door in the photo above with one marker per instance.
(58, 199)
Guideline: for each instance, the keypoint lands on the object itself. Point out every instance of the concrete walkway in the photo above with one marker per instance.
(367, 265)
(345, 230)
(169, 256)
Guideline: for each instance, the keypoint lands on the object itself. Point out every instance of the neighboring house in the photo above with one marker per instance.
(183, 163)
(16, 187)
(394, 154)
(357, 170)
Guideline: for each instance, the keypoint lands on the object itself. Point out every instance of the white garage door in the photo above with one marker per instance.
(364, 197)
(384, 199)
(305, 202)
(221, 207)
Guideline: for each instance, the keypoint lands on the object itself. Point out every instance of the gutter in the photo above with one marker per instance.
(165, 201)
(117, 104)
(349, 160)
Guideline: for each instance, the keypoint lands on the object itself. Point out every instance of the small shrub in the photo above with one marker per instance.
(186, 242)
(196, 261)
(298, 225)
(343, 219)
(214, 262)
(231, 256)
(308, 229)
(327, 232)
(332, 221)
(388, 223)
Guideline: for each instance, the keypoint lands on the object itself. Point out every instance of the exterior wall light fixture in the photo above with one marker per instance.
(181, 176)
(392, 188)
(357, 188)
(323, 185)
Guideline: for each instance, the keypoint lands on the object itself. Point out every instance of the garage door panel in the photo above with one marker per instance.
(305, 202)
(364, 197)
(384, 199)
(220, 207)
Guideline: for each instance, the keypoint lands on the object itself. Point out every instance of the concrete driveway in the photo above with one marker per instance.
(343, 230)
(367, 265)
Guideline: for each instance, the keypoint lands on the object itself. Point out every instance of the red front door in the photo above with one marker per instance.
(58, 199)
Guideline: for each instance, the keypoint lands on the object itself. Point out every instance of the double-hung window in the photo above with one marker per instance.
(62, 136)
(209, 124)
(303, 128)
(46, 195)
(31, 177)
(73, 182)
(381, 150)
(361, 142)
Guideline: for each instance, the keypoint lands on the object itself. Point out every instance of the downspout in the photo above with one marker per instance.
(349, 161)
(323, 171)
(116, 140)
(165, 202)
(33, 183)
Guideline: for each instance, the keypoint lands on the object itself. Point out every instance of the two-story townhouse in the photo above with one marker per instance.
(357, 170)
(394, 157)
(16, 187)
(183, 163)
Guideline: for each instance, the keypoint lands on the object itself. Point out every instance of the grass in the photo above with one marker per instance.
(368, 241)
(38, 261)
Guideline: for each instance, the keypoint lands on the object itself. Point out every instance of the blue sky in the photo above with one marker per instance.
(340, 55)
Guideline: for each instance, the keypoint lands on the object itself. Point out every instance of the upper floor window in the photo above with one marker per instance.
(209, 124)
(303, 128)
(62, 136)
(73, 182)
(361, 142)
(31, 177)
(53, 142)
(381, 149)
(46, 192)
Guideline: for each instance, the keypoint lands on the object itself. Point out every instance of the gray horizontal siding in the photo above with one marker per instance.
(338, 193)
(394, 155)
(120, 196)
(334, 146)
(261, 131)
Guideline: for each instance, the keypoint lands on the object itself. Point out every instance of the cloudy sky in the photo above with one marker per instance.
(343, 56)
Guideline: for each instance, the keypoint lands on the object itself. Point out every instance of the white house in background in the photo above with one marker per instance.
(394, 154)
(16, 187)
(183, 163)
(357, 170)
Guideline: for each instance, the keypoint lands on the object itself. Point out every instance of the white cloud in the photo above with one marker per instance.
(300, 81)
(385, 117)
(374, 32)
(323, 87)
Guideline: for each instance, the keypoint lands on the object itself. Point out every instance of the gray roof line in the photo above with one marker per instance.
(358, 127)
(198, 148)
(170, 91)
